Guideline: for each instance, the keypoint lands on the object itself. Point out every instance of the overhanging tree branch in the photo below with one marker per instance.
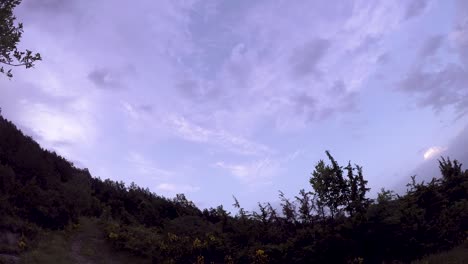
(10, 36)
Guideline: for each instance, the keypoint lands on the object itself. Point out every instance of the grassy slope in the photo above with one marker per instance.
(458, 255)
(84, 245)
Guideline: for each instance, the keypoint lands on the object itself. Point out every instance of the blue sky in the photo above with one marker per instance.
(219, 98)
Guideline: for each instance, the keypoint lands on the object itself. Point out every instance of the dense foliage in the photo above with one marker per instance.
(331, 222)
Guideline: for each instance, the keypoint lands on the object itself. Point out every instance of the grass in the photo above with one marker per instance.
(85, 243)
(458, 255)
(53, 247)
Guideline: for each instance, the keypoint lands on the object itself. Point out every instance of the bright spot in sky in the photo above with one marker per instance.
(432, 151)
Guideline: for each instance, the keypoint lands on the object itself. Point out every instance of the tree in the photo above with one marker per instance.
(242, 213)
(288, 208)
(10, 36)
(329, 185)
(305, 206)
(357, 201)
(336, 193)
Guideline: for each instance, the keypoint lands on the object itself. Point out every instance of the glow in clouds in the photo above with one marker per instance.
(433, 151)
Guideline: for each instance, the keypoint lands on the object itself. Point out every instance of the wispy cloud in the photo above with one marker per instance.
(170, 188)
(258, 172)
(146, 167)
(253, 174)
(229, 142)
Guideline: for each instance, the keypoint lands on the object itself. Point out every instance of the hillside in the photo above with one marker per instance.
(458, 255)
(47, 204)
(83, 243)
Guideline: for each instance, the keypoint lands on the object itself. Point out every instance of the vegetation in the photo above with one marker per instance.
(79, 243)
(333, 221)
(10, 36)
(458, 255)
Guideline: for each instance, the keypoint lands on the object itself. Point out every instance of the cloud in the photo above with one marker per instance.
(415, 8)
(242, 80)
(49, 5)
(104, 79)
(345, 101)
(435, 82)
(433, 151)
(370, 42)
(383, 58)
(305, 104)
(459, 34)
(137, 112)
(192, 132)
(438, 89)
(215, 77)
(146, 167)
(59, 126)
(148, 118)
(111, 77)
(431, 46)
(68, 129)
(253, 174)
(260, 171)
(458, 148)
(305, 58)
(241, 68)
(170, 188)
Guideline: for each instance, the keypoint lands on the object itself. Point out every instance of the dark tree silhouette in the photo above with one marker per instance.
(10, 36)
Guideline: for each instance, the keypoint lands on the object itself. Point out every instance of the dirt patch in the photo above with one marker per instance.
(76, 248)
(89, 246)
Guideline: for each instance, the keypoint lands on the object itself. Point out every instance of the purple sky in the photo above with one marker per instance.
(219, 98)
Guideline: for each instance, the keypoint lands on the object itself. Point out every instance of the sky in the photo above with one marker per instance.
(218, 98)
